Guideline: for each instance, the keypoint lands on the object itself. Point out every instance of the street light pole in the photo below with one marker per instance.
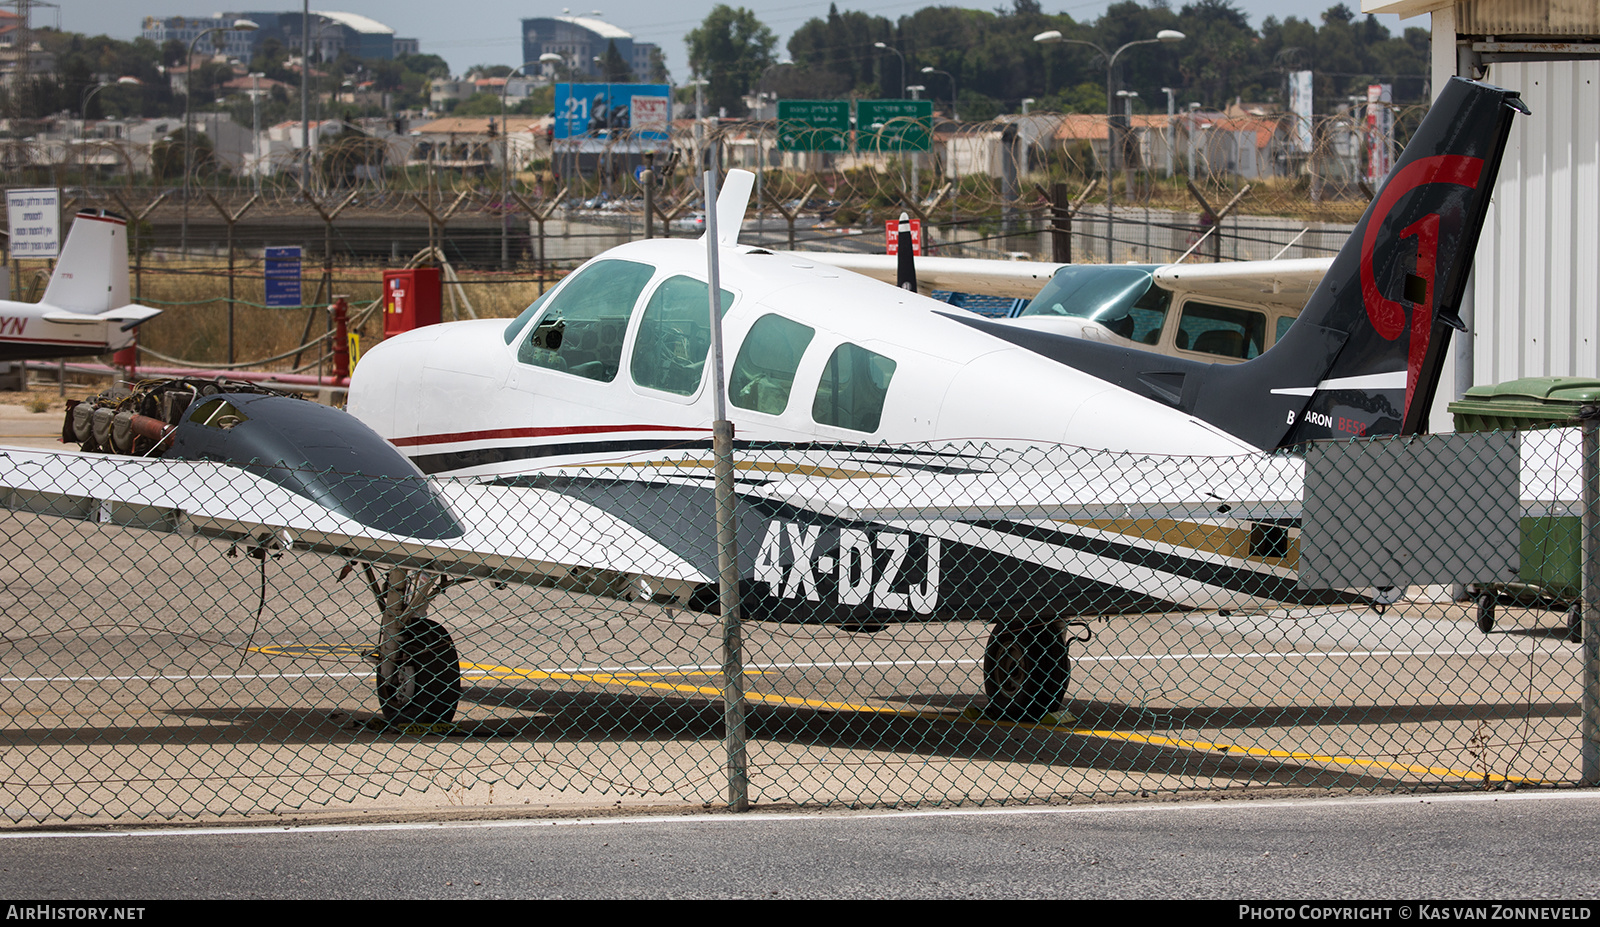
(505, 165)
(761, 159)
(953, 116)
(1127, 117)
(699, 84)
(902, 64)
(239, 25)
(255, 127)
(1171, 137)
(916, 181)
(553, 59)
(1054, 36)
(83, 128)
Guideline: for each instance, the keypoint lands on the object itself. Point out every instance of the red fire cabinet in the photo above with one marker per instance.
(411, 299)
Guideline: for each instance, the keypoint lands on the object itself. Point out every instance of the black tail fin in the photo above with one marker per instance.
(1365, 356)
(1354, 363)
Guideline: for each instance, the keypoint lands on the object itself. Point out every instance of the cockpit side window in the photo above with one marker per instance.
(854, 384)
(581, 331)
(763, 373)
(669, 352)
(526, 315)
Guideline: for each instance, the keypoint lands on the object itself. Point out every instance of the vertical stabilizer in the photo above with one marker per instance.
(1366, 354)
(91, 275)
(732, 202)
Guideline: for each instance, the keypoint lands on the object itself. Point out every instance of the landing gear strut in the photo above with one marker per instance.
(419, 671)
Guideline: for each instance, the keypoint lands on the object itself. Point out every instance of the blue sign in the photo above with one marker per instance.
(613, 111)
(283, 277)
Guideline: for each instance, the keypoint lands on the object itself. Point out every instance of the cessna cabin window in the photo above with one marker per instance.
(669, 353)
(580, 332)
(854, 384)
(1122, 297)
(1224, 331)
(763, 373)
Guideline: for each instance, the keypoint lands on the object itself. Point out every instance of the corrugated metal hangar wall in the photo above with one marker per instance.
(1537, 290)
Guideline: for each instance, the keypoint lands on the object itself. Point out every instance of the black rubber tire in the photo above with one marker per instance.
(1575, 623)
(1026, 670)
(1486, 613)
(427, 683)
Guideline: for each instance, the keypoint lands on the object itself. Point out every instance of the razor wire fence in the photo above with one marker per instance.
(391, 195)
(973, 623)
(510, 215)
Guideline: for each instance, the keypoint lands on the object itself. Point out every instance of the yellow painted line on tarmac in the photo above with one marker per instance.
(1231, 749)
(638, 680)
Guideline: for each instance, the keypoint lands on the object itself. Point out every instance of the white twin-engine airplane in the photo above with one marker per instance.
(897, 460)
(85, 309)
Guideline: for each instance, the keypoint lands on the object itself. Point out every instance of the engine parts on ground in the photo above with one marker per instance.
(141, 421)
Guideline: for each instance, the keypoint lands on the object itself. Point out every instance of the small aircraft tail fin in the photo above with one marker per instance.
(733, 198)
(91, 277)
(1365, 356)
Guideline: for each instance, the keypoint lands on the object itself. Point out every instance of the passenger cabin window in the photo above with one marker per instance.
(763, 373)
(1123, 298)
(853, 387)
(1223, 331)
(581, 330)
(669, 353)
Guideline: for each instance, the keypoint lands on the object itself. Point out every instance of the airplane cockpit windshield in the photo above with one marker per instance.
(1122, 297)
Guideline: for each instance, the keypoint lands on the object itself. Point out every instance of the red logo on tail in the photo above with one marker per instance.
(1388, 316)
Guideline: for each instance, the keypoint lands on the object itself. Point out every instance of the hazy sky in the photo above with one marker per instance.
(487, 31)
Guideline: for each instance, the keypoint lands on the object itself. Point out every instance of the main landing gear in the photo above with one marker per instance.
(1026, 667)
(419, 671)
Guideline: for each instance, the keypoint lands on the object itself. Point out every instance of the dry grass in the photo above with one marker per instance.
(43, 398)
(194, 320)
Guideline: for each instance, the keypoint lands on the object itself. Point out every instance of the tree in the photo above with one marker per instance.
(166, 155)
(658, 67)
(731, 48)
(614, 68)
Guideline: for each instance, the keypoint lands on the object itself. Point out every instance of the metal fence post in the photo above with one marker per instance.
(1590, 725)
(727, 538)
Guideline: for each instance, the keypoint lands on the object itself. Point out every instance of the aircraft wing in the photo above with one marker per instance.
(1289, 283)
(1280, 282)
(650, 527)
(130, 315)
(512, 534)
(1015, 279)
(1066, 529)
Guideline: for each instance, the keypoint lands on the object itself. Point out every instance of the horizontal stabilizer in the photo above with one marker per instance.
(130, 315)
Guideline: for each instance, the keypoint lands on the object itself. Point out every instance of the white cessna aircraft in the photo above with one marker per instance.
(1217, 313)
(898, 460)
(85, 309)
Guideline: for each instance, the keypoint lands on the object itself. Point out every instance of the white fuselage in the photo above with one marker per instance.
(453, 392)
(24, 332)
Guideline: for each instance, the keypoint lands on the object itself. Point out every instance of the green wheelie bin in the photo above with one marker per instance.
(1550, 570)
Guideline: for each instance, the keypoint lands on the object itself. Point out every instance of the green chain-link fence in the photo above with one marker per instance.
(968, 623)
